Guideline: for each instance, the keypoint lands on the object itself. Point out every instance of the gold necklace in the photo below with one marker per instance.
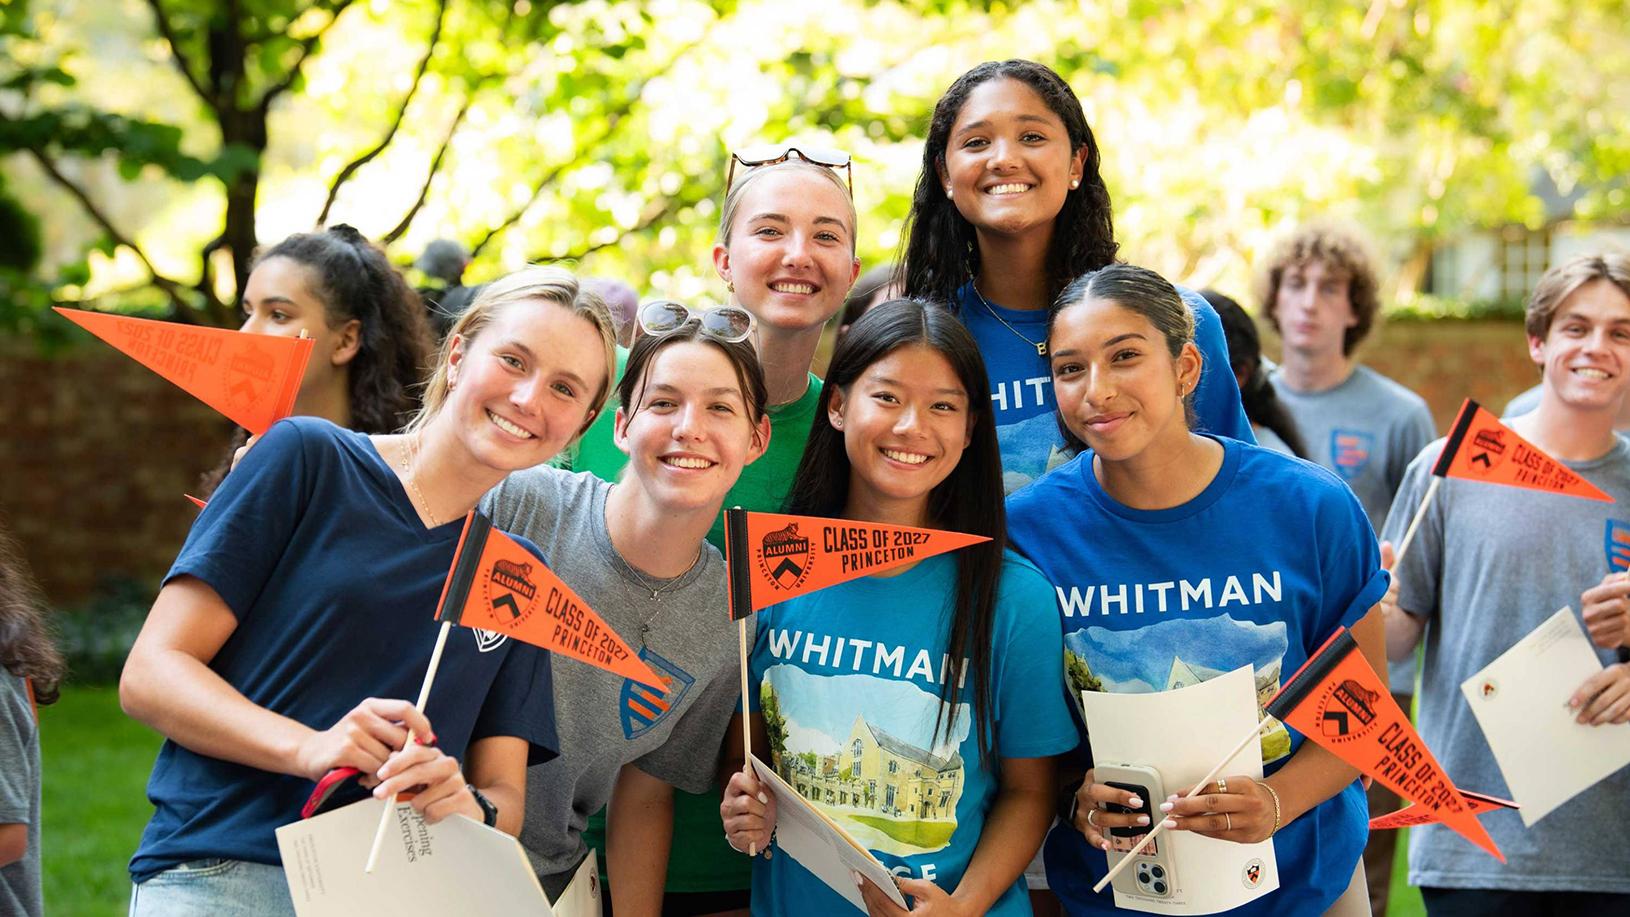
(410, 454)
(1041, 345)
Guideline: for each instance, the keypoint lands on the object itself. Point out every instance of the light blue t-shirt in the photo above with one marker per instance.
(1260, 568)
(1021, 383)
(849, 680)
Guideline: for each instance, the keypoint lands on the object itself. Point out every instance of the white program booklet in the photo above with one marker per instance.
(457, 866)
(821, 845)
(1181, 734)
(1521, 702)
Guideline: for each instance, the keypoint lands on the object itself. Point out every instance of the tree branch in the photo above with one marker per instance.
(171, 288)
(307, 45)
(178, 56)
(669, 205)
(424, 190)
(396, 123)
(614, 118)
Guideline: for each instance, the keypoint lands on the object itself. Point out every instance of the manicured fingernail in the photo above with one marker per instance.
(856, 876)
(1165, 807)
(1135, 802)
(1172, 798)
(1105, 845)
(764, 799)
(1143, 819)
(752, 848)
(1169, 823)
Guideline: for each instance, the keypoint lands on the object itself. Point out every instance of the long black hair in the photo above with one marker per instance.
(26, 647)
(968, 500)
(1262, 405)
(941, 251)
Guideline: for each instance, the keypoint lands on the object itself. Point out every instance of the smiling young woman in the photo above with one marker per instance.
(905, 437)
(324, 541)
(1009, 208)
(1148, 492)
(690, 416)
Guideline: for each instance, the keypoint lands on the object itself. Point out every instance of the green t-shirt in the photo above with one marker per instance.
(701, 860)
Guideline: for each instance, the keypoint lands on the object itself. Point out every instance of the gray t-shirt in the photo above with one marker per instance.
(684, 634)
(1488, 565)
(20, 796)
(1365, 430)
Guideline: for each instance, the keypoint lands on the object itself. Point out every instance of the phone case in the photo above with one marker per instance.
(1151, 873)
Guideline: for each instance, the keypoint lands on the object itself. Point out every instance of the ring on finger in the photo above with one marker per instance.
(1229, 821)
(1090, 813)
(1222, 784)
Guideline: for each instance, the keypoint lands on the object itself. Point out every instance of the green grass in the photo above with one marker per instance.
(96, 762)
(929, 835)
(1403, 900)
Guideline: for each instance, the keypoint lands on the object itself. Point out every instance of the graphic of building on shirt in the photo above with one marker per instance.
(891, 793)
(1225, 636)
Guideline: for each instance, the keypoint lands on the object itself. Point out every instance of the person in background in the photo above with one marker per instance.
(1010, 207)
(876, 286)
(1319, 288)
(442, 264)
(624, 304)
(1272, 424)
(31, 669)
(1487, 566)
(372, 344)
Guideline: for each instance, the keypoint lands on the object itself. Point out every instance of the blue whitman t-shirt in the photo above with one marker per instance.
(315, 547)
(850, 695)
(1021, 383)
(1260, 568)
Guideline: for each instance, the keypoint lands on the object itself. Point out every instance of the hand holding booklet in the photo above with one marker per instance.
(821, 845)
(1520, 701)
(456, 866)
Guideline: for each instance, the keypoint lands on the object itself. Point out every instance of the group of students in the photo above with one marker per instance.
(1078, 412)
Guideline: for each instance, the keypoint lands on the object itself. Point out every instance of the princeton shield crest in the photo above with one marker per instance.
(642, 706)
(1616, 542)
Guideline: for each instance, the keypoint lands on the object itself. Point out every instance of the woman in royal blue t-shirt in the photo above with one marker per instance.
(1176, 555)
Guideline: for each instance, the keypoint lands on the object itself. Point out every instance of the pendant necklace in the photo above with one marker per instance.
(1041, 345)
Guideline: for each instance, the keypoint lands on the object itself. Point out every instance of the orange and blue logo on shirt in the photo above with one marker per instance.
(1350, 452)
(1616, 541)
(642, 706)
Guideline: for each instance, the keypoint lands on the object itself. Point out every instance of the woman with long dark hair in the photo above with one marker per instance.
(30, 670)
(1009, 208)
(372, 342)
(1273, 554)
(951, 667)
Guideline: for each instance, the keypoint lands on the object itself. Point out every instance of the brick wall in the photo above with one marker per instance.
(95, 451)
(95, 454)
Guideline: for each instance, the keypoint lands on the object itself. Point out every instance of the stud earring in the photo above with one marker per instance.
(730, 285)
(837, 423)
(947, 192)
(1075, 183)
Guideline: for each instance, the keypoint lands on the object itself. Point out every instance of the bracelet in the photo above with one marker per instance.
(1273, 793)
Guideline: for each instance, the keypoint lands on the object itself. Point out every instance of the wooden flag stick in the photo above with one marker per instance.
(746, 721)
(1409, 533)
(1210, 776)
(424, 695)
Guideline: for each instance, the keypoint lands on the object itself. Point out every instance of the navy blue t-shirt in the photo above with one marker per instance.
(315, 547)
(1263, 565)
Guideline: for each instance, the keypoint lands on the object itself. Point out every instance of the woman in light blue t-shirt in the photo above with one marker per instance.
(921, 707)
(1177, 556)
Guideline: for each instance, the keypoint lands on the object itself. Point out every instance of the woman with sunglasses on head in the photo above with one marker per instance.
(302, 608)
(944, 673)
(690, 416)
(371, 339)
(1008, 209)
(786, 252)
(1185, 555)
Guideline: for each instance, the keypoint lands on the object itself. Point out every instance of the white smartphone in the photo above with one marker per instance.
(1151, 872)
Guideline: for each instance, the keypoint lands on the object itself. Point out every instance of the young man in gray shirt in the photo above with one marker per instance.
(1318, 287)
(1488, 565)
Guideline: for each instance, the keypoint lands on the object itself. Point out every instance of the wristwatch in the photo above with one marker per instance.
(489, 812)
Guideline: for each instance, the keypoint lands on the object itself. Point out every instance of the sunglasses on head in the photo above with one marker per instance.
(754, 156)
(730, 324)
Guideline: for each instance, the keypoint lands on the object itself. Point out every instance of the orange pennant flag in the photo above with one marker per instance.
(1481, 448)
(195, 501)
(1337, 700)
(773, 557)
(1411, 815)
(251, 378)
(497, 585)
